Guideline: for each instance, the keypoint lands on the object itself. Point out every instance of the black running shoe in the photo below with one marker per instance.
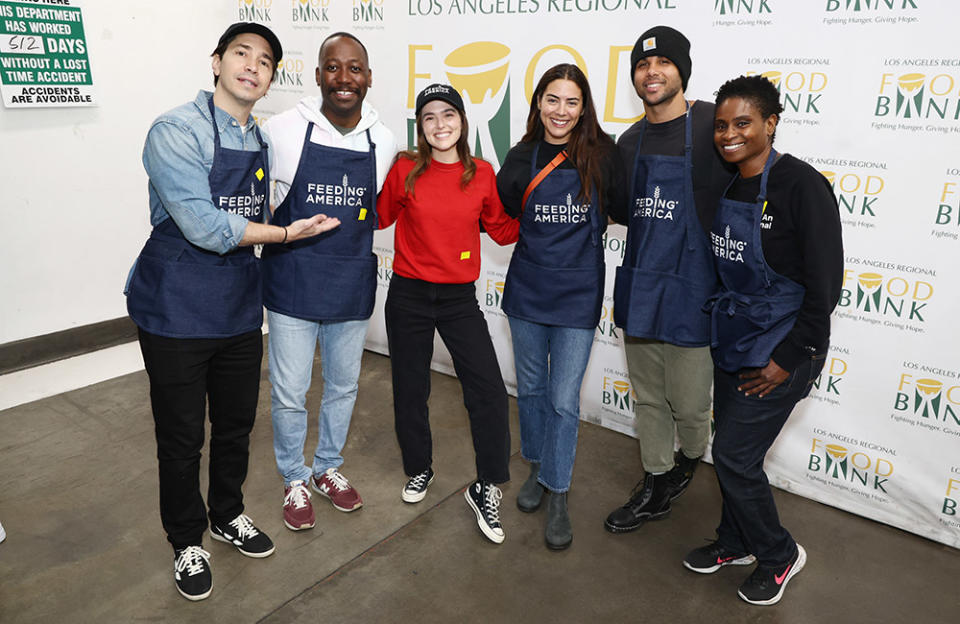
(766, 585)
(416, 487)
(484, 500)
(248, 539)
(714, 556)
(191, 572)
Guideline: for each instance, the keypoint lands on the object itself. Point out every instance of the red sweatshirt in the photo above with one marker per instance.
(438, 225)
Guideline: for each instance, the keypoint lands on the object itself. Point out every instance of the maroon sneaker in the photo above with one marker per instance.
(297, 510)
(334, 486)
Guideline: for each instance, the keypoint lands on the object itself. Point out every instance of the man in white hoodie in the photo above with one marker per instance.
(331, 155)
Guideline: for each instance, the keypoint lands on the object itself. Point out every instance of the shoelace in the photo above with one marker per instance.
(297, 495)
(418, 481)
(491, 502)
(244, 526)
(339, 481)
(191, 559)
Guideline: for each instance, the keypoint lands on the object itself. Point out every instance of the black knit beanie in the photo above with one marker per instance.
(663, 41)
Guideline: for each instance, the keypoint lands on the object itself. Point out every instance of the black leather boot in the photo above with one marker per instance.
(531, 492)
(681, 474)
(650, 500)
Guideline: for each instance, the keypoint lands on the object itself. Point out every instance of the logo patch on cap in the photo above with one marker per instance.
(649, 44)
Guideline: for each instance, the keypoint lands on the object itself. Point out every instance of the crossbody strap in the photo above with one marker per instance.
(537, 179)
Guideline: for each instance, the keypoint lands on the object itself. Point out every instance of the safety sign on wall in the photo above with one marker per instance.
(43, 55)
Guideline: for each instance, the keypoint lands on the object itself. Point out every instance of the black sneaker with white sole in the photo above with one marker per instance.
(416, 487)
(714, 556)
(484, 500)
(248, 539)
(766, 585)
(191, 572)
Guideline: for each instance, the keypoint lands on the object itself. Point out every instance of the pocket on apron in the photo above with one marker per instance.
(662, 306)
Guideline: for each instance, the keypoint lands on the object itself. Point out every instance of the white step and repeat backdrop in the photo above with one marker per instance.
(871, 90)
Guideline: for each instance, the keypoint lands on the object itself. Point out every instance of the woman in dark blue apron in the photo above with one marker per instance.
(778, 252)
(555, 181)
(195, 295)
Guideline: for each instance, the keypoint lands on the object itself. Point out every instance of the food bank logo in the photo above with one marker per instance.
(289, 73)
(309, 12)
(800, 91)
(616, 392)
(255, 10)
(367, 11)
(837, 463)
(857, 192)
(741, 7)
(828, 383)
(949, 508)
(918, 96)
(384, 265)
(493, 293)
(948, 211)
(605, 326)
(928, 398)
(864, 6)
(886, 297)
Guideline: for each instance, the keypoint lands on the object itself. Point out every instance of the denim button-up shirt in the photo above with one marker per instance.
(178, 156)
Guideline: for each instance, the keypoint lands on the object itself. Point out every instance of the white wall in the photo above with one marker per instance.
(74, 198)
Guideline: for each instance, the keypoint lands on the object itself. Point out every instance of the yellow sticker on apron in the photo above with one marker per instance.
(464, 255)
(363, 214)
(260, 174)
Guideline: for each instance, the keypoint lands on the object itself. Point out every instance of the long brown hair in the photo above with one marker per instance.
(588, 141)
(424, 153)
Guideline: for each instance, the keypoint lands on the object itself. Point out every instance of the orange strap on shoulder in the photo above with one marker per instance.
(553, 164)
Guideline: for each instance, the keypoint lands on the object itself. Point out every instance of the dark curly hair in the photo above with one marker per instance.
(758, 90)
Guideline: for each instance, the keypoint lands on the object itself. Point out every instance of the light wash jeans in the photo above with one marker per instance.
(292, 347)
(550, 364)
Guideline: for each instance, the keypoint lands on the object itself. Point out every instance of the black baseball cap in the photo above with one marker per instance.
(439, 91)
(257, 29)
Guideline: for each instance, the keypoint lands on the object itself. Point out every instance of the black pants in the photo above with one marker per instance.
(183, 373)
(747, 426)
(414, 309)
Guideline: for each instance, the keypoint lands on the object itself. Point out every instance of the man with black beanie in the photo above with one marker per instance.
(675, 180)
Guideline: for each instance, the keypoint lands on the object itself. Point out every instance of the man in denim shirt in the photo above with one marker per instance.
(195, 295)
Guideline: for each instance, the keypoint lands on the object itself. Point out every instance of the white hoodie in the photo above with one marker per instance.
(287, 129)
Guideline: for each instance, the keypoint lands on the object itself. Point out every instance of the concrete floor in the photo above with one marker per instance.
(78, 498)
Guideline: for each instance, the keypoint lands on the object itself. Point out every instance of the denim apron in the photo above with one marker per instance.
(333, 276)
(179, 290)
(755, 308)
(557, 268)
(667, 272)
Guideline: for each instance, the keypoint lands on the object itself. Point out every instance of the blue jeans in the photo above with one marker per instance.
(292, 346)
(550, 363)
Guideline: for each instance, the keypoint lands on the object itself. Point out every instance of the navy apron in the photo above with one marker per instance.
(756, 308)
(333, 276)
(557, 268)
(180, 290)
(667, 272)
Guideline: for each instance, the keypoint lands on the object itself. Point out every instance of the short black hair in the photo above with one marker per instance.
(348, 36)
(758, 90)
(222, 47)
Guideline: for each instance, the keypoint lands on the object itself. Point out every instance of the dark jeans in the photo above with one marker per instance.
(746, 429)
(183, 373)
(414, 309)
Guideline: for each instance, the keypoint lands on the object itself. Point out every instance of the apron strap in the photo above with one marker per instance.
(553, 164)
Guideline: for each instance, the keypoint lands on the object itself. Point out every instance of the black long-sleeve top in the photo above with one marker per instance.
(801, 240)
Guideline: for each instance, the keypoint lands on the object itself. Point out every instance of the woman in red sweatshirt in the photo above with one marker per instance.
(438, 196)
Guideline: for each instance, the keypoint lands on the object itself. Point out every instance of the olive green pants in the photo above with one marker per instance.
(672, 387)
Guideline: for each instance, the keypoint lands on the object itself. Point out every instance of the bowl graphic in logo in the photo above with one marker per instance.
(928, 396)
(836, 460)
(831, 176)
(910, 94)
(478, 70)
(929, 387)
(621, 387)
(868, 291)
(773, 76)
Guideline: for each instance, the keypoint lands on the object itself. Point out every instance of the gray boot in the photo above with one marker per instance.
(531, 492)
(559, 532)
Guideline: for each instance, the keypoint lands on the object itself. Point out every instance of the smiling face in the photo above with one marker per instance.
(343, 77)
(440, 123)
(657, 81)
(742, 135)
(243, 73)
(561, 107)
